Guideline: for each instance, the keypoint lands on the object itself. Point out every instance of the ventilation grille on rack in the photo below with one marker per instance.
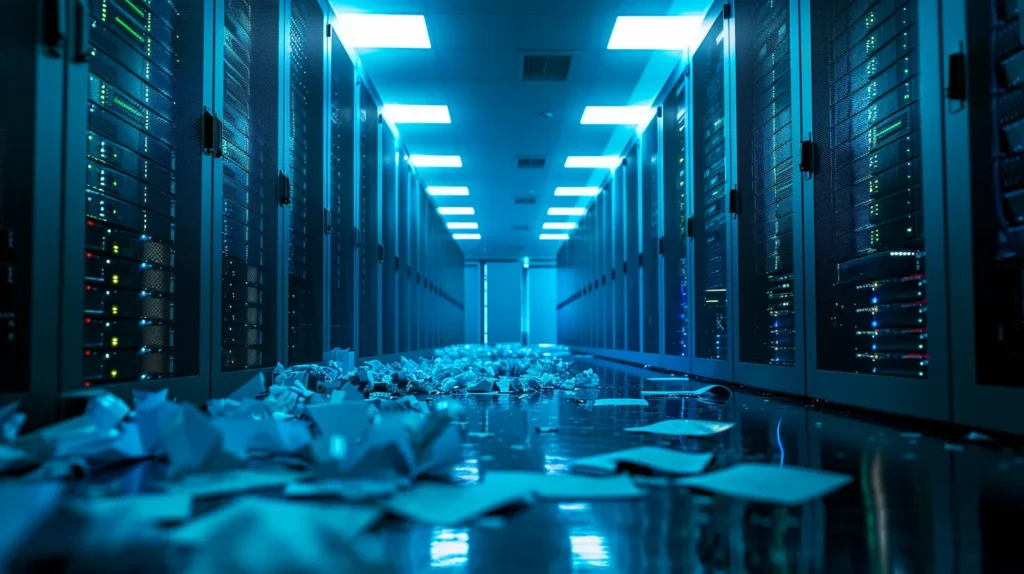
(526, 200)
(546, 67)
(532, 162)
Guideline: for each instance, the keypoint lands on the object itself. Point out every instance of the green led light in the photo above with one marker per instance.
(129, 29)
(134, 7)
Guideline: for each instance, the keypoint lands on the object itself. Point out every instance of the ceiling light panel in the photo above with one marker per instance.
(653, 32)
(383, 31)
(593, 161)
(559, 225)
(435, 160)
(444, 190)
(466, 235)
(577, 191)
(463, 225)
(456, 211)
(416, 114)
(554, 236)
(567, 211)
(616, 115)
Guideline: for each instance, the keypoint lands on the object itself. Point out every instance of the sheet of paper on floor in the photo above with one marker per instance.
(565, 487)
(453, 504)
(236, 482)
(148, 508)
(715, 390)
(651, 458)
(683, 427)
(620, 403)
(759, 482)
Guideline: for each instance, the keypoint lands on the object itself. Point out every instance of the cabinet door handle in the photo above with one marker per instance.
(81, 50)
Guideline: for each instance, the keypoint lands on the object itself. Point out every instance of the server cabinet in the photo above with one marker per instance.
(633, 234)
(305, 180)
(874, 207)
(607, 264)
(985, 211)
(675, 213)
(136, 305)
(768, 264)
(247, 259)
(618, 257)
(650, 229)
(403, 271)
(389, 231)
(369, 230)
(39, 41)
(713, 203)
(344, 263)
(604, 303)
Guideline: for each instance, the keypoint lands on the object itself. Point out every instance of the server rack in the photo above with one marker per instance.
(713, 200)
(369, 254)
(139, 176)
(767, 270)
(618, 258)
(650, 229)
(675, 210)
(389, 231)
(39, 42)
(405, 180)
(873, 208)
(633, 235)
(344, 264)
(982, 54)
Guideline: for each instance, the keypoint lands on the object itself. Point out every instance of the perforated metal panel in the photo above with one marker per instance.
(869, 247)
(650, 215)
(369, 257)
(674, 211)
(343, 248)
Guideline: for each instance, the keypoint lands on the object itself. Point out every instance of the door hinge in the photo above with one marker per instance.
(689, 227)
(284, 189)
(661, 246)
(807, 156)
(398, 264)
(327, 221)
(661, 111)
(357, 238)
(380, 253)
(734, 202)
(625, 269)
(380, 118)
(956, 91)
(639, 259)
(328, 31)
(55, 26)
(727, 11)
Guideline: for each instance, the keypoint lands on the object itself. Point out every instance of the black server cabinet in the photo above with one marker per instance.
(369, 254)
(874, 208)
(344, 263)
(983, 158)
(39, 42)
(305, 178)
(768, 271)
(675, 212)
(619, 256)
(141, 141)
(632, 235)
(419, 200)
(405, 181)
(713, 203)
(248, 216)
(389, 217)
(607, 264)
(650, 229)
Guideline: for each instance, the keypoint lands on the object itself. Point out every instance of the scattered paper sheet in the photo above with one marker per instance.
(349, 419)
(620, 403)
(565, 487)
(348, 489)
(712, 390)
(668, 379)
(221, 484)
(150, 508)
(684, 427)
(25, 507)
(650, 458)
(758, 482)
(451, 504)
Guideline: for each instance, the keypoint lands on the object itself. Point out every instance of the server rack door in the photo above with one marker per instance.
(876, 208)
(984, 152)
(369, 256)
(631, 266)
(305, 156)
(712, 217)
(674, 211)
(34, 111)
(248, 215)
(768, 267)
(607, 263)
(389, 217)
(619, 235)
(402, 270)
(141, 268)
(418, 318)
(343, 260)
(649, 255)
(600, 267)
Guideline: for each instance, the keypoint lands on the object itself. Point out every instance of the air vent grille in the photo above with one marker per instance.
(532, 163)
(526, 200)
(520, 228)
(546, 67)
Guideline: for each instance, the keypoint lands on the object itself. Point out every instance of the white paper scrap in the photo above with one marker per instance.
(451, 504)
(684, 427)
(211, 485)
(565, 487)
(652, 458)
(759, 482)
(620, 403)
(151, 508)
(714, 390)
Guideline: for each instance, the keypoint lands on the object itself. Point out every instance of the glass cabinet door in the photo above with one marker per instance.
(651, 231)
(631, 269)
(369, 258)
(389, 234)
(675, 212)
(343, 264)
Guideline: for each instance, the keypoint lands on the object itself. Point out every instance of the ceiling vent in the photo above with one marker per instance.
(526, 200)
(546, 67)
(520, 228)
(532, 163)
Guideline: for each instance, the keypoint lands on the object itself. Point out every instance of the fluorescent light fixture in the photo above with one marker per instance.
(653, 32)
(383, 31)
(559, 225)
(577, 191)
(554, 236)
(616, 115)
(414, 114)
(466, 235)
(463, 225)
(456, 211)
(446, 190)
(435, 160)
(567, 211)
(593, 161)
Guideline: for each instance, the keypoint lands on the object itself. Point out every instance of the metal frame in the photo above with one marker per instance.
(928, 397)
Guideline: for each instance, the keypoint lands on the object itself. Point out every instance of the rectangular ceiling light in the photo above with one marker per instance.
(653, 32)
(435, 160)
(446, 190)
(593, 161)
(463, 225)
(414, 114)
(554, 236)
(616, 115)
(456, 211)
(567, 211)
(383, 31)
(466, 235)
(559, 225)
(577, 191)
